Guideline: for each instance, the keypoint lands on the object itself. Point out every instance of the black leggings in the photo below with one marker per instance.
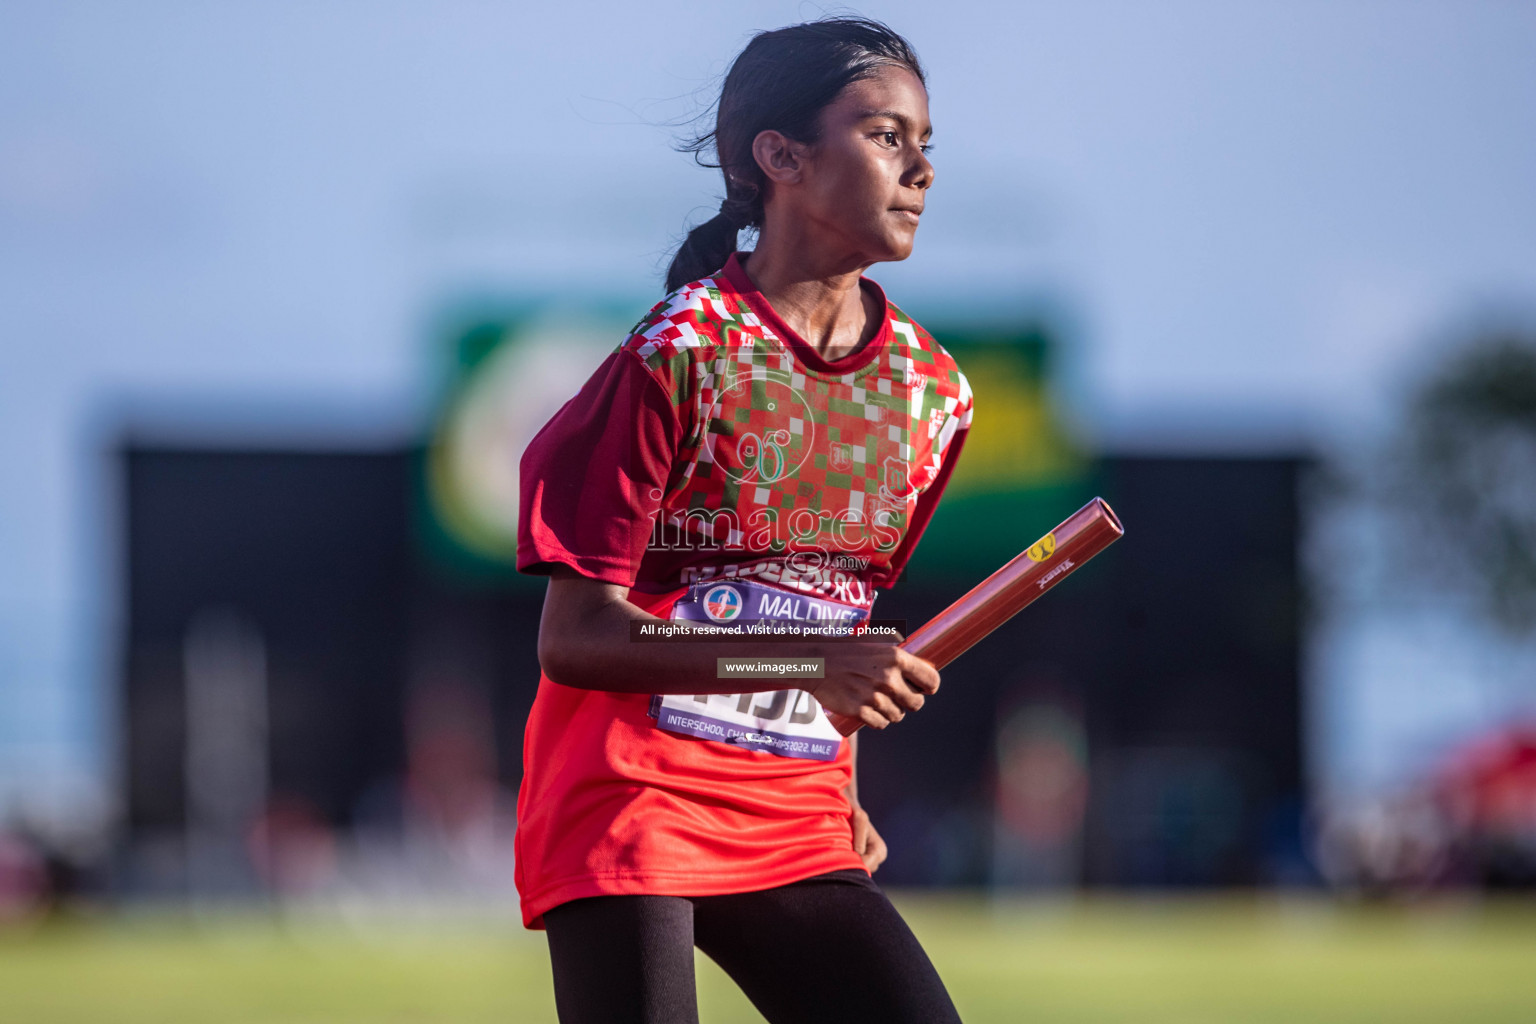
(829, 948)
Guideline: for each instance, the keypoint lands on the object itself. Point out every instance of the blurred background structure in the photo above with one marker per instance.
(284, 288)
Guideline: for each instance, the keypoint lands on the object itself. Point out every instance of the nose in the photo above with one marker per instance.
(921, 173)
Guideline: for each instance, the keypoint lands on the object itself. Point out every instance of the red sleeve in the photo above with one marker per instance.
(592, 479)
(926, 503)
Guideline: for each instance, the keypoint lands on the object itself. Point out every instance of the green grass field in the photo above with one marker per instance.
(1161, 960)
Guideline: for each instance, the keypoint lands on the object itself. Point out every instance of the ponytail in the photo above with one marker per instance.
(782, 81)
(709, 245)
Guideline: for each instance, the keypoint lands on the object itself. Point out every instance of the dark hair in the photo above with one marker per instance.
(782, 81)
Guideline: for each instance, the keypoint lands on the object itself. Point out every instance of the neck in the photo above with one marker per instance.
(814, 290)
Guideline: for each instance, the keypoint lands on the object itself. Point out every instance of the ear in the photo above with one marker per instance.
(781, 158)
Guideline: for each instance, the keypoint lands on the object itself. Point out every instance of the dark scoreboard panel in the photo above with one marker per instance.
(1140, 725)
(1158, 691)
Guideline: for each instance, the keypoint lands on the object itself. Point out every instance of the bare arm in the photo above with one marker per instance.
(584, 641)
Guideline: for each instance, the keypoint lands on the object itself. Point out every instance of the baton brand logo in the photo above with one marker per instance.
(723, 603)
(1042, 548)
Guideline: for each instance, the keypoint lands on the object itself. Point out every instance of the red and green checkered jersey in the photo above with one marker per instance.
(714, 443)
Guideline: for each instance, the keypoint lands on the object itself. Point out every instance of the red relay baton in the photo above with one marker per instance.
(1008, 591)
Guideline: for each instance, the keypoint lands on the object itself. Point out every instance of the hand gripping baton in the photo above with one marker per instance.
(1008, 591)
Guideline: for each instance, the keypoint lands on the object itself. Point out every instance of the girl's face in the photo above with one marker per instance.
(863, 184)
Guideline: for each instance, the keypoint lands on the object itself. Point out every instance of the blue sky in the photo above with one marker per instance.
(242, 217)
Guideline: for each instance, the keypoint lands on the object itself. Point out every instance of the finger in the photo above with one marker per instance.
(919, 673)
(875, 851)
(872, 718)
(886, 706)
(902, 693)
(861, 832)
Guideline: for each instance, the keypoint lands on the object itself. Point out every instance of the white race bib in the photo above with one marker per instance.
(789, 723)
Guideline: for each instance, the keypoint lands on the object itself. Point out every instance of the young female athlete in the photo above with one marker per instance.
(766, 447)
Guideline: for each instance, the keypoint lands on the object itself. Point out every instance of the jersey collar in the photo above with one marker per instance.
(742, 285)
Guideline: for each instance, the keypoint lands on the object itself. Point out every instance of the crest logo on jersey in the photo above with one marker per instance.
(841, 460)
(723, 603)
(896, 488)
